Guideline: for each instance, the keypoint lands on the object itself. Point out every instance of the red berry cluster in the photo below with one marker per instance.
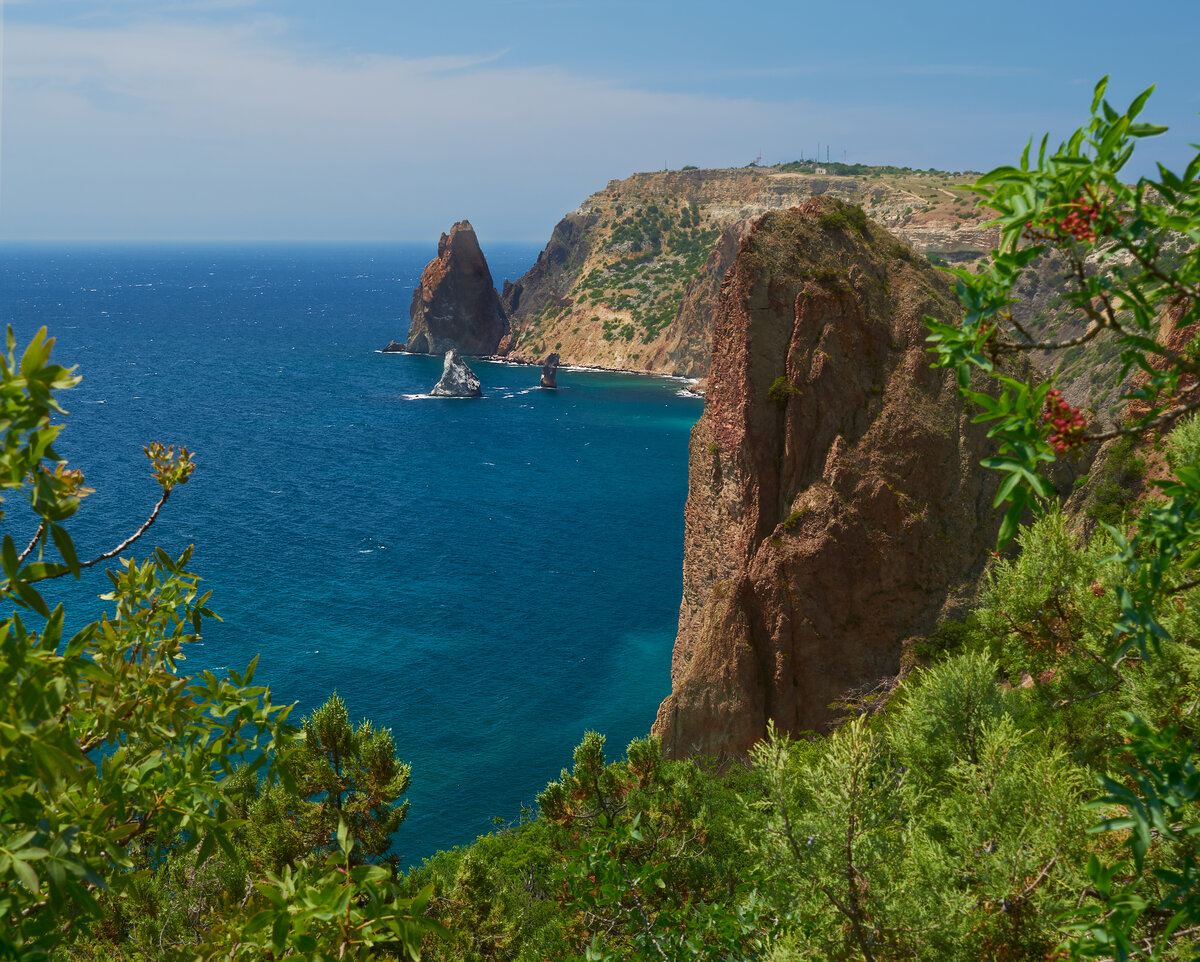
(1079, 221)
(1066, 421)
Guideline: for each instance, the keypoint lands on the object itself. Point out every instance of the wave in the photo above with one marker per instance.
(438, 397)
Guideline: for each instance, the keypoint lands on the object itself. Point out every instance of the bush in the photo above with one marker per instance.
(781, 390)
(845, 217)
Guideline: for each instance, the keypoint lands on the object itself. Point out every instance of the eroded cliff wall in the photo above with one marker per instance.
(836, 504)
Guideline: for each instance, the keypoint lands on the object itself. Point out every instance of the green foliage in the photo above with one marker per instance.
(118, 771)
(324, 910)
(833, 835)
(845, 217)
(1118, 482)
(792, 521)
(1048, 613)
(1160, 795)
(946, 714)
(494, 897)
(1183, 445)
(927, 837)
(340, 773)
(948, 637)
(781, 390)
(1073, 201)
(639, 872)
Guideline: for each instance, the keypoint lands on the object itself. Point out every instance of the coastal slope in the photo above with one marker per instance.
(626, 280)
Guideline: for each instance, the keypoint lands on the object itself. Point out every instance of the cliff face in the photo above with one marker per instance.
(835, 500)
(455, 307)
(616, 286)
(549, 281)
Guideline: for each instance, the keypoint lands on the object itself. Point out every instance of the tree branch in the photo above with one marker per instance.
(1171, 414)
(37, 536)
(115, 551)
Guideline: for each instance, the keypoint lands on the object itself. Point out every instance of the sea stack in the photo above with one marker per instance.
(836, 505)
(458, 380)
(395, 347)
(455, 307)
(550, 371)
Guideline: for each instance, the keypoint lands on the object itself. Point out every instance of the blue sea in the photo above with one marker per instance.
(489, 579)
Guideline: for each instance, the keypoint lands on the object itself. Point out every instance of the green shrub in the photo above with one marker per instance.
(845, 217)
(1119, 482)
(780, 390)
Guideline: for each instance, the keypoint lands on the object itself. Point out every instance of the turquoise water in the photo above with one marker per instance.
(487, 578)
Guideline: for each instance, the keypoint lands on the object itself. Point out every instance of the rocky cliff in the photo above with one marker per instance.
(836, 504)
(455, 307)
(627, 280)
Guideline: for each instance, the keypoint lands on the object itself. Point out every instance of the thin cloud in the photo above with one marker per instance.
(176, 129)
(968, 70)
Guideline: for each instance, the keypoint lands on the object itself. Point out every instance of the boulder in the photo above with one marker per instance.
(550, 371)
(458, 380)
(455, 307)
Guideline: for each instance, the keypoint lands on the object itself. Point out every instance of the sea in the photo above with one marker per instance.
(489, 578)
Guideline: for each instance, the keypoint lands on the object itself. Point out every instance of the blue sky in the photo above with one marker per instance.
(304, 120)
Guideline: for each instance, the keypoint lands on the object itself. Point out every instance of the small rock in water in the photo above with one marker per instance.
(395, 347)
(458, 380)
(550, 371)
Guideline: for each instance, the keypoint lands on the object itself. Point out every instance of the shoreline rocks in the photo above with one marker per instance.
(458, 380)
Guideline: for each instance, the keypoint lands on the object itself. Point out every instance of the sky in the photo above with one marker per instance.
(388, 120)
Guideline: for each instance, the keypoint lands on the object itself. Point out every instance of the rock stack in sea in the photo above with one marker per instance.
(550, 371)
(836, 504)
(458, 380)
(455, 307)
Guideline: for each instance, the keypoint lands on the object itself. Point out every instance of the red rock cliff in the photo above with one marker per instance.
(455, 307)
(835, 500)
